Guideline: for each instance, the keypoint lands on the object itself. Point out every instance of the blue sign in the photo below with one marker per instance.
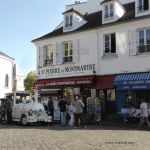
(134, 87)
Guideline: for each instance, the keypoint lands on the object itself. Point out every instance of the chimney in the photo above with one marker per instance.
(77, 2)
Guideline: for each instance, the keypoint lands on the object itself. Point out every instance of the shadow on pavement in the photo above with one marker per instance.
(57, 127)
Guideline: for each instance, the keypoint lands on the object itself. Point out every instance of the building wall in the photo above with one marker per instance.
(91, 50)
(6, 66)
(87, 54)
(124, 63)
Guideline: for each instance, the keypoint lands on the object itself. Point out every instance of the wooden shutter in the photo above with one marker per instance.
(44, 54)
(59, 53)
(132, 42)
(76, 51)
(54, 53)
(40, 56)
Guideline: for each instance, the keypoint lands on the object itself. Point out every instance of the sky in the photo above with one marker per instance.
(21, 21)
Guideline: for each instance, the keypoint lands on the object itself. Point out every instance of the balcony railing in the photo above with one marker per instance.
(144, 49)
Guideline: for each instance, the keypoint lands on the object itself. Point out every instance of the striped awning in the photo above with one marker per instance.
(133, 81)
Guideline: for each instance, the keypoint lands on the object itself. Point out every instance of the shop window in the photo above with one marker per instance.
(68, 93)
(111, 96)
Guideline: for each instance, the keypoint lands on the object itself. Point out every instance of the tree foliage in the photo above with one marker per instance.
(29, 81)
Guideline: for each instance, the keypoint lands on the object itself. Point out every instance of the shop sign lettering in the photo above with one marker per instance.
(66, 69)
(136, 82)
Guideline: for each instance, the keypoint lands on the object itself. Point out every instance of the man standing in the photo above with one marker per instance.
(63, 107)
(50, 107)
(79, 105)
(9, 110)
(144, 113)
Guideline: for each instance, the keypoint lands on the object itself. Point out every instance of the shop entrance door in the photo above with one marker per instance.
(110, 104)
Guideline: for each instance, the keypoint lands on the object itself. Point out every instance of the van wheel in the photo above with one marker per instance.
(24, 120)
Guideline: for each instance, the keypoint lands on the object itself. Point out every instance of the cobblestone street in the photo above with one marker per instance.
(57, 138)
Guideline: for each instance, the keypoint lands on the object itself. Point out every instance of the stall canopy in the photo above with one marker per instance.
(64, 81)
(133, 81)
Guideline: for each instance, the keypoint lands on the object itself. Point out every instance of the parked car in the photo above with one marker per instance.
(30, 112)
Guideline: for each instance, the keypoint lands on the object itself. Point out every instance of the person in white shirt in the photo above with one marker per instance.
(71, 111)
(144, 113)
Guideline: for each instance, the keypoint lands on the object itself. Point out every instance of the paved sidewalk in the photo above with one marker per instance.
(58, 138)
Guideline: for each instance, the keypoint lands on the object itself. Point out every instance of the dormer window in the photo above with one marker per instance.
(68, 21)
(109, 11)
(143, 5)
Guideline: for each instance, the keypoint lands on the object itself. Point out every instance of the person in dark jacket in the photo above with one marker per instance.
(9, 110)
(63, 107)
(50, 107)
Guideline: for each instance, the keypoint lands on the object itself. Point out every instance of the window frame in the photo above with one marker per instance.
(109, 14)
(49, 59)
(141, 8)
(66, 58)
(110, 43)
(68, 21)
(146, 46)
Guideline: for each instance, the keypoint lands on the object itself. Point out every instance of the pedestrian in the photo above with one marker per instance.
(79, 106)
(63, 107)
(71, 111)
(9, 110)
(144, 113)
(3, 111)
(0, 109)
(50, 106)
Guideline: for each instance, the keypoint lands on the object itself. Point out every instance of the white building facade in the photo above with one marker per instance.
(6, 74)
(102, 44)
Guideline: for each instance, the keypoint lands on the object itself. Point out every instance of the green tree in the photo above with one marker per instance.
(29, 81)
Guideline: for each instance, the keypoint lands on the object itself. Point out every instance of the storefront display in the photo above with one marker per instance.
(56, 109)
(131, 88)
(93, 106)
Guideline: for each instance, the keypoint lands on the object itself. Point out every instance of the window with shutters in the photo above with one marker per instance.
(48, 55)
(144, 40)
(143, 5)
(68, 21)
(109, 12)
(68, 52)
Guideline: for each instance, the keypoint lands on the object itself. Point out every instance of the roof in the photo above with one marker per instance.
(3, 54)
(73, 10)
(94, 20)
(105, 1)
